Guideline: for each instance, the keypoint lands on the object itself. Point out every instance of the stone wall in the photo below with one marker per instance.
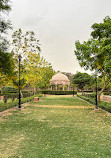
(106, 98)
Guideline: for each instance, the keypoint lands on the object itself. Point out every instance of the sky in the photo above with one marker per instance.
(58, 24)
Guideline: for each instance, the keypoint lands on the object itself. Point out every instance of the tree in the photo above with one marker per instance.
(5, 58)
(81, 79)
(47, 73)
(37, 72)
(4, 8)
(6, 63)
(95, 54)
(24, 43)
(28, 47)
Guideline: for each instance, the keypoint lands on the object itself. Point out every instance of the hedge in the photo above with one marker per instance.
(4, 106)
(13, 96)
(107, 93)
(103, 105)
(53, 92)
(89, 99)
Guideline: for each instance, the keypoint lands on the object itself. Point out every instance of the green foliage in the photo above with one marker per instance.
(87, 98)
(16, 82)
(4, 8)
(4, 106)
(14, 96)
(34, 69)
(95, 54)
(6, 61)
(81, 79)
(103, 105)
(107, 93)
(9, 89)
(47, 73)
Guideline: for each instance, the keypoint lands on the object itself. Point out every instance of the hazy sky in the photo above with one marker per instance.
(58, 24)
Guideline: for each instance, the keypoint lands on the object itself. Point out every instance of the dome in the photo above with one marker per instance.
(59, 77)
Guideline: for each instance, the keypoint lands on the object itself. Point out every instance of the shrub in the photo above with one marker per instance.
(9, 89)
(103, 105)
(14, 95)
(107, 93)
(90, 100)
(9, 95)
(4, 106)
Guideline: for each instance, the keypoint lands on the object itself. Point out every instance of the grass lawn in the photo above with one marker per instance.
(61, 100)
(51, 132)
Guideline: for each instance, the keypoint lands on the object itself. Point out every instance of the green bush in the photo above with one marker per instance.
(103, 105)
(89, 99)
(89, 95)
(107, 93)
(9, 89)
(27, 94)
(15, 95)
(58, 92)
(4, 106)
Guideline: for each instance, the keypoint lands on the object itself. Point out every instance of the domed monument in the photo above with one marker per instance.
(59, 79)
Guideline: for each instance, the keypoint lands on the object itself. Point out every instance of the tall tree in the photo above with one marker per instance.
(81, 79)
(47, 73)
(5, 58)
(34, 65)
(33, 70)
(95, 54)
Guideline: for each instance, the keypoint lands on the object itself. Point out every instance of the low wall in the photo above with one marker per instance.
(106, 98)
(1, 97)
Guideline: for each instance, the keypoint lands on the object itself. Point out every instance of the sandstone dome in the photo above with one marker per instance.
(59, 77)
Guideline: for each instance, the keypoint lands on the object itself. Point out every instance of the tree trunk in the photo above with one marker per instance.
(1, 91)
(105, 85)
(34, 90)
(21, 94)
(82, 91)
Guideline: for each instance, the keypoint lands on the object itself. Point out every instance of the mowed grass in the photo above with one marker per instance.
(61, 100)
(41, 132)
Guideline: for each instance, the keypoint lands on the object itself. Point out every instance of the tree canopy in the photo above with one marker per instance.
(81, 79)
(6, 61)
(35, 71)
(95, 54)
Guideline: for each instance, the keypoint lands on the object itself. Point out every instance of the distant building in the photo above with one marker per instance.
(59, 79)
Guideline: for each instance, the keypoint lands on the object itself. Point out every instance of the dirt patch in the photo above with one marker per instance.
(63, 96)
(9, 112)
(62, 106)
